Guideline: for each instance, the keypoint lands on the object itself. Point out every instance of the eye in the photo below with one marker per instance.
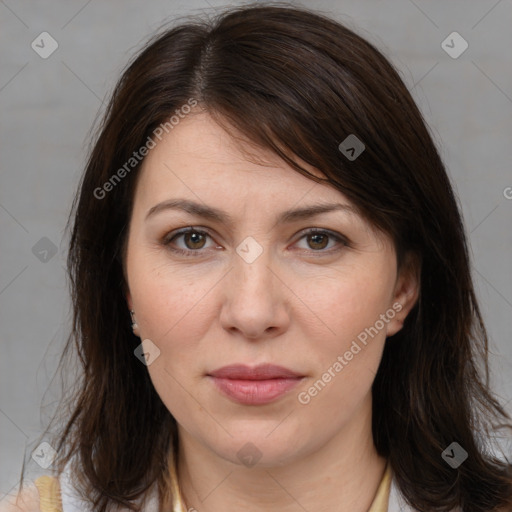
(319, 239)
(194, 240)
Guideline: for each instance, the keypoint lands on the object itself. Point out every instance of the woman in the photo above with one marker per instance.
(272, 295)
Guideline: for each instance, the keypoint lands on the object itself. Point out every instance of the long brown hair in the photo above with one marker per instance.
(297, 83)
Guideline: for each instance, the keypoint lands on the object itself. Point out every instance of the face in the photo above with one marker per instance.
(224, 284)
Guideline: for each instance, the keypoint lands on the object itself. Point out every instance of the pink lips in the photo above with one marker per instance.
(254, 385)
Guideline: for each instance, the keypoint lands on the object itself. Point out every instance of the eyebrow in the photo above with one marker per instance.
(214, 214)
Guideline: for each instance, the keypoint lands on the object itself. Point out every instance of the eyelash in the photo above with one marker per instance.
(166, 241)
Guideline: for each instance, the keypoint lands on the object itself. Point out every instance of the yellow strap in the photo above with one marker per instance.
(177, 498)
(49, 493)
(381, 500)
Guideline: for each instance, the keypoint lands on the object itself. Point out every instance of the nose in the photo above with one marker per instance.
(255, 303)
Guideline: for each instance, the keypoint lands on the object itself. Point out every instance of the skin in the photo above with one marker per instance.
(300, 304)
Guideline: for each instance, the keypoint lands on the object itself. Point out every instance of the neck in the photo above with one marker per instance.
(342, 475)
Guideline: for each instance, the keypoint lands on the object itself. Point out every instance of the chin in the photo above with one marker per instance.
(260, 444)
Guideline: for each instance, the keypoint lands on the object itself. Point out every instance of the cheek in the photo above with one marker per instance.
(346, 344)
(341, 307)
(173, 306)
(175, 311)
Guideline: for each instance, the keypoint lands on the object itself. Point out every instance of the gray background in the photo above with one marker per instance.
(49, 105)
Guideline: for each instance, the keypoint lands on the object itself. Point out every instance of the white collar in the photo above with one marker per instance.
(396, 501)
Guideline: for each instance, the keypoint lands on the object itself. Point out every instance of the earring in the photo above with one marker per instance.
(134, 322)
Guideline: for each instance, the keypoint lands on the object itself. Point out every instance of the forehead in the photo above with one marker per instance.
(198, 157)
(236, 183)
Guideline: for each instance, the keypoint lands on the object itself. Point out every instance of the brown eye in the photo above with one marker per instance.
(191, 242)
(187, 242)
(194, 239)
(323, 241)
(318, 241)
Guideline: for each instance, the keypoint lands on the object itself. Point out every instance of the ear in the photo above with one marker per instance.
(129, 302)
(406, 292)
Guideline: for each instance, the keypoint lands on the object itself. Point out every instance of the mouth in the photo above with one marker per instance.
(257, 385)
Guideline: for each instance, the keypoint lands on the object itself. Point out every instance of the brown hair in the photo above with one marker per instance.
(298, 83)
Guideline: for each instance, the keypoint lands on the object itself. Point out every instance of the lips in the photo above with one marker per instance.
(260, 372)
(256, 385)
